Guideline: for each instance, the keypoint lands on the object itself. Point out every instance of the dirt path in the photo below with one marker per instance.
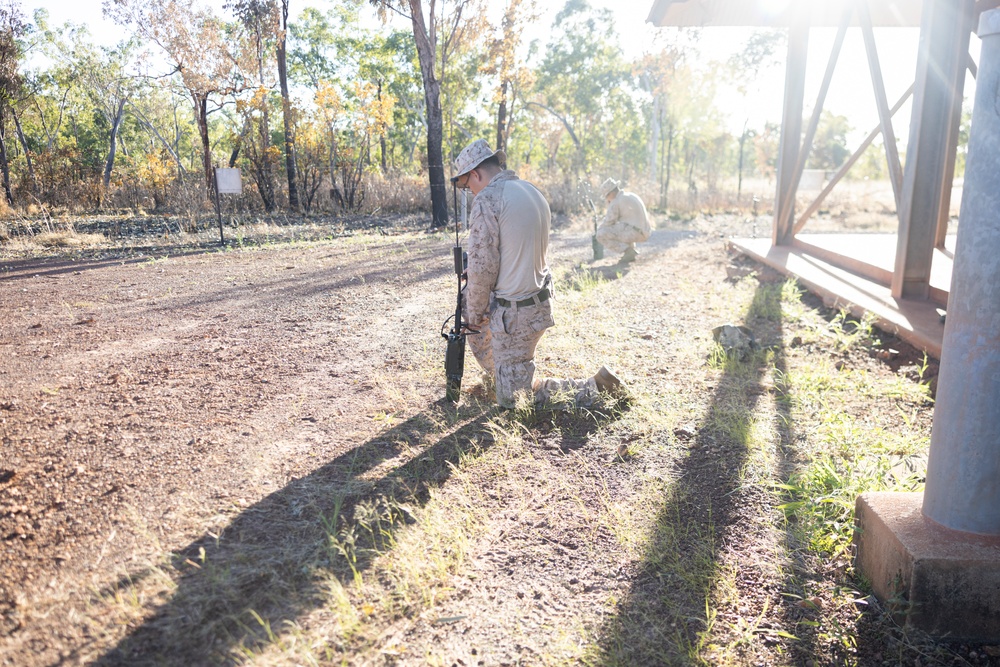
(182, 439)
(142, 399)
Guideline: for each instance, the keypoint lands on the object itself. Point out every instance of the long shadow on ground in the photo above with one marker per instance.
(270, 564)
(665, 617)
(660, 241)
(52, 266)
(87, 259)
(271, 559)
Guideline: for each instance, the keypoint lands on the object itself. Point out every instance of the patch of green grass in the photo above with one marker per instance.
(850, 332)
(821, 497)
(581, 280)
(766, 303)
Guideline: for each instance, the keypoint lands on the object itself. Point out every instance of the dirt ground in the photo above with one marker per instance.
(150, 403)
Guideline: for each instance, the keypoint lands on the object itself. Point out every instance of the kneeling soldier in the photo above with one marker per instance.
(509, 293)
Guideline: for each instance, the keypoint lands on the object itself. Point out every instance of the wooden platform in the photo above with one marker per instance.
(864, 288)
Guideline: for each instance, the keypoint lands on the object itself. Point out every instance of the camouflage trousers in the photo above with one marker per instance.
(505, 348)
(618, 237)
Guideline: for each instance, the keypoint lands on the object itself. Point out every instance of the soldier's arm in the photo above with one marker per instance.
(613, 214)
(484, 262)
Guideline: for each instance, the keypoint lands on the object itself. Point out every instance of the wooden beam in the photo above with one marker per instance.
(850, 163)
(885, 118)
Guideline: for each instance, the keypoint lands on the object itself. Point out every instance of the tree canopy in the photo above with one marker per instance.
(361, 102)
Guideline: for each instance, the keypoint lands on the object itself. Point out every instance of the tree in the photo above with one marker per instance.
(336, 49)
(656, 72)
(503, 63)
(766, 145)
(829, 148)
(425, 35)
(195, 42)
(345, 64)
(104, 73)
(260, 17)
(745, 66)
(578, 76)
(12, 27)
(351, 121)
(286, 109)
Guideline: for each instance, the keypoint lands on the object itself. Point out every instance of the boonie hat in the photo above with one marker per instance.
(608, 185)
(473, 155)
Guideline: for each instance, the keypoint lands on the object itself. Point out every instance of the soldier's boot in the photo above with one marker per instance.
(630, 254)
(609, 383)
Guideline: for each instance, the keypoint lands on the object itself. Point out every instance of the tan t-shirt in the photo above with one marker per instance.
(508, 242)
(627, 208)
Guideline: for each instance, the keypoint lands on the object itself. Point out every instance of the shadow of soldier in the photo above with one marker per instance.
(650, 251)
(669, 614)
(267, 567)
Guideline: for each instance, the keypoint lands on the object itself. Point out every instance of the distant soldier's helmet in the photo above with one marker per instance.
(608, 186)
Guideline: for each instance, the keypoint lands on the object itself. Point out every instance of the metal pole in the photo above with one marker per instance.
(930, 154)
(789, 202)
(846, 167)
(884, 117)
(963, 472)
(465, 210)
(791, 126)
(218, 204)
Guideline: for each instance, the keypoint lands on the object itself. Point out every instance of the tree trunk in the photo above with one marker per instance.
(739, 178)
(286, 109)
(201, 113)
(670, 158)
(654, 138)
(238, 144)
(381, 138)
(262, 165)
(335, 194)
(27, 153)
(159, 137)
(266, 177)
(116, 124)
(435, 122)
(4, 166)
(562, 119)
(502, 119)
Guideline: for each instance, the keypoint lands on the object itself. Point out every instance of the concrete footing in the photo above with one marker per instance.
(943, 582)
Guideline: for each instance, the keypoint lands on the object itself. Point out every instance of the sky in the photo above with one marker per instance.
(850, 94)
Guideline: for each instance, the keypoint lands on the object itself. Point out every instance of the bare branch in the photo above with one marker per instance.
(562, 119)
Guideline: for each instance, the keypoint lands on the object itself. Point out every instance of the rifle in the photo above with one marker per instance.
(594, 243)
(454, 356)
(583, 191)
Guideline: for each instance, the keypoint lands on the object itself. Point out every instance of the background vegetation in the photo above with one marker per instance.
(337, 112)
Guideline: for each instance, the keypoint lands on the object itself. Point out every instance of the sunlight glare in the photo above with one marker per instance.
(772, 8)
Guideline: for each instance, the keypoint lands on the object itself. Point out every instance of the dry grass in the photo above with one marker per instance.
(396, 194)
(68, 240)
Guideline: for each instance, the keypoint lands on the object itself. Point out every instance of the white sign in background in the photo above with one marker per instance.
(228, 181)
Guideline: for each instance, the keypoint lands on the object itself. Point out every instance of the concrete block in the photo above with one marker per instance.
(943, 582)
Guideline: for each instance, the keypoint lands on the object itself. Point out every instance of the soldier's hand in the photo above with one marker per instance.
(477, 324)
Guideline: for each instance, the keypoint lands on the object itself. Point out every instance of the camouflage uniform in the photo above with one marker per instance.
(504, 245)
(625, 224)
